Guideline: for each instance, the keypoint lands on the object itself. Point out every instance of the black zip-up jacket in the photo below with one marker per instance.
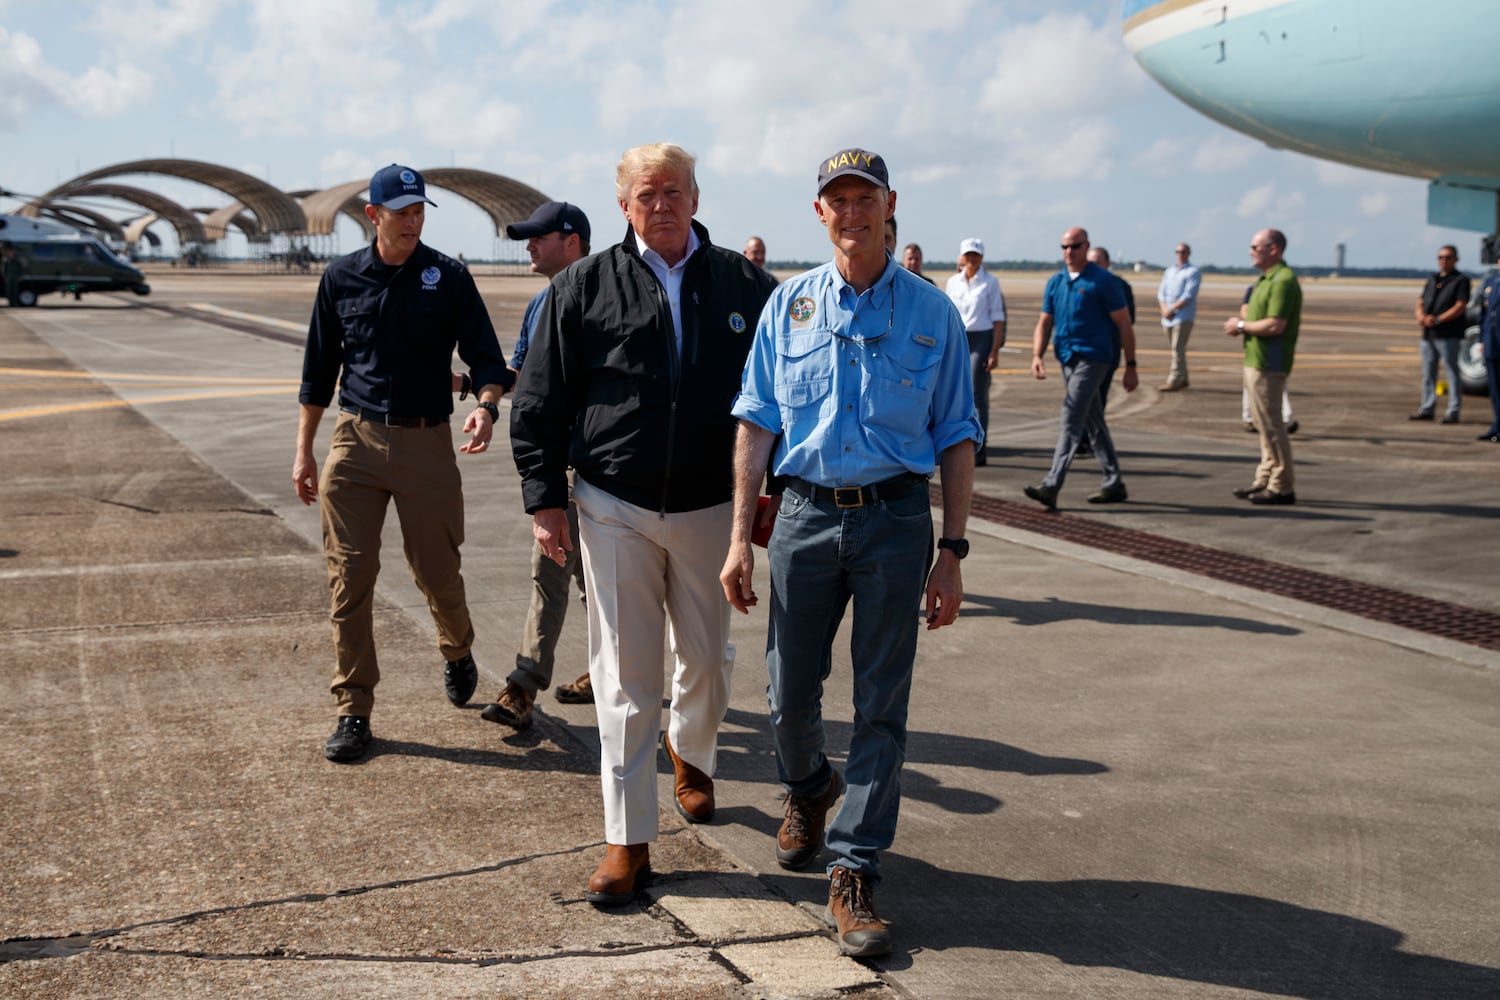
(392, 331)
(605, 390)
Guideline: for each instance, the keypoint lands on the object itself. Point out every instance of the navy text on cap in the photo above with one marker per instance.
(858, 162)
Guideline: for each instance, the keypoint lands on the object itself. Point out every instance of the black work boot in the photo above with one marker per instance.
(460, 677)
(350, 740)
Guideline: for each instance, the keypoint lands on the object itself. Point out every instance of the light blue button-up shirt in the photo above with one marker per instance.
(861, 387)
(1180, 284)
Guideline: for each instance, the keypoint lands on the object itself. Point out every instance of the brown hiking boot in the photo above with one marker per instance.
(619, 875)
(580, 692)
(851, 910)
(801, 833)
(693, 791)
(511, 707)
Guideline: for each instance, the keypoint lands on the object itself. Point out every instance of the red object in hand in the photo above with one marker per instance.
(761, 535)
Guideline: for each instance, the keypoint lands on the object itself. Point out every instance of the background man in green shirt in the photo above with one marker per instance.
(1270, 332)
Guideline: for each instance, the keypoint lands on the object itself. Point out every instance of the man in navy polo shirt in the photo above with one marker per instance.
(384, 327)
(1085, 314)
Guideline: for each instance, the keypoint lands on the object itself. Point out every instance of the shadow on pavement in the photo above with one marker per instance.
(1181, 932)
(1051, 610)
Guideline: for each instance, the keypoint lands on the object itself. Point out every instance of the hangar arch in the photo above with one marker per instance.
(189, 227)
(274, 210)
(85, 219)
(216, 221)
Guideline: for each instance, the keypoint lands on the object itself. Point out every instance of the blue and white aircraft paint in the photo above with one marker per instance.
(1391, 85)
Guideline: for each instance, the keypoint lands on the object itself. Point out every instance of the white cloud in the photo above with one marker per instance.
(1255, 201)
(1374, 204)
(1222, 152)
(1162, 158)
(31, 87)
(1061, 64)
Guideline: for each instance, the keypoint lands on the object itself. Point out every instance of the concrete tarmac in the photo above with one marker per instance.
(1124, 778)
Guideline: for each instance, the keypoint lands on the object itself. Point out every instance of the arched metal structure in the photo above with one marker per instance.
(139, 227)
(87, 219)
(189, 227)
(353, 207)
(274, 210)
(216, 222)
(502, 199)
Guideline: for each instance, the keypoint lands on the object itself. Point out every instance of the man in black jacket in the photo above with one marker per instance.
(629, 379)
(384, 327)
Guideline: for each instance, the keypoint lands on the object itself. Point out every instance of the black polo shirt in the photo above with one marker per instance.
(392, 331)
(1440, 295)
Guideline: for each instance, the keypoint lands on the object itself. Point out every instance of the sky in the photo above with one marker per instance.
(1009, 121)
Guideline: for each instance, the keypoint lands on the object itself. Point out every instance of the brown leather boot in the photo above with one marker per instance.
(851, 911)
(619, 875)
(694, 789)
(511, 707)
(801, 832)
(580, 692)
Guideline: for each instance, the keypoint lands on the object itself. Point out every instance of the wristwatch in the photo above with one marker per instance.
(1240, 326)
(492, 408)
(958, 546)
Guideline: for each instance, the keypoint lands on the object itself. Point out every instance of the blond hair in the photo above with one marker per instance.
(656, 157)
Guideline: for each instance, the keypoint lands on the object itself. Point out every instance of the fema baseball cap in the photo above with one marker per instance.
(396, 187)
(853, 162)
(971, 245)
(551, 217)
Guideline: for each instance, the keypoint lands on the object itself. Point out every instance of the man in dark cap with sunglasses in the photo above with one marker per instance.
(384, 328)
(856, 389)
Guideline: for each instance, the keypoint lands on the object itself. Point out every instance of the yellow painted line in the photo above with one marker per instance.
(144, 377)
(104, 404)
(280, 324)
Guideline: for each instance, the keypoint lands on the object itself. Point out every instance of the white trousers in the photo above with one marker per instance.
(647, 571)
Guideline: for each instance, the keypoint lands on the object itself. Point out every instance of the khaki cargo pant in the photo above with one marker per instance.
(368, 465)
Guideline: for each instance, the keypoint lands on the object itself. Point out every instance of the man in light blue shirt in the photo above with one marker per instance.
(856, 389)
(1178, 298)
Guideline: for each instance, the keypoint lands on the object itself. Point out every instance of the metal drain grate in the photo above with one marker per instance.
(1422, 614)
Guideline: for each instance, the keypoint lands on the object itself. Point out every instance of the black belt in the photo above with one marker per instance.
(858, 496)
(391, 420)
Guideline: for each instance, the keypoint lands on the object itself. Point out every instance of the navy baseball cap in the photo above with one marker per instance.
(551, 217)
(857, 162)
(396, 186)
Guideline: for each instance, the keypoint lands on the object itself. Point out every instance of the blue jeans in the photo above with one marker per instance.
(1086, 381)
(821, 557)
(1446, 348)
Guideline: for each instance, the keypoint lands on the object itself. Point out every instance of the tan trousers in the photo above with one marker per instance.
(644, 571)
(368, 465)
(1266, 391)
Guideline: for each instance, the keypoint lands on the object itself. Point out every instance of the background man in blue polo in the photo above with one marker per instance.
(1085, 314)
(384, 326)
(861, 367)
(556, 235)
